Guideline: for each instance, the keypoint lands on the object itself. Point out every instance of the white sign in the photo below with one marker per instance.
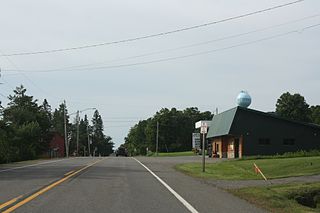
(201, 123)
(204, 128)
(196, 140)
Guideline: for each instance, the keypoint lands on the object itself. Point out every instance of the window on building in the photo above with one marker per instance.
(264, 141)
(288, 141)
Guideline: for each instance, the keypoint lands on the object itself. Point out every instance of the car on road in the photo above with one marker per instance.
(121, 151)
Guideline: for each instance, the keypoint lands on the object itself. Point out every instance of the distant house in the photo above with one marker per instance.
(56, 146)
(243, 132)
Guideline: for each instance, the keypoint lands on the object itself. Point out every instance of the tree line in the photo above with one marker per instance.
(175, 128)
(295, 107)
(26, 129)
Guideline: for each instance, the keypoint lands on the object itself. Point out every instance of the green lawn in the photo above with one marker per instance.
(243, 169)
(281, 198)
(175, 154)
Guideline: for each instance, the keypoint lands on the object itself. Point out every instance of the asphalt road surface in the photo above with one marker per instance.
(110, 185)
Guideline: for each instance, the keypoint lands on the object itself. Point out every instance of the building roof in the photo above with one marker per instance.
(221, 123)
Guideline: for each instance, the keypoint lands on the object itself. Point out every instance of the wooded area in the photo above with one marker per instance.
(26, 129)
(176, 127)
(175, 131)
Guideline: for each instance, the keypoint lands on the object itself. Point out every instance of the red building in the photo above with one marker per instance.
(56, 146)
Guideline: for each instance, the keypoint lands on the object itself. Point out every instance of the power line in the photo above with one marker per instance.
(25, 76)
(123, 117)
(182, 56)
(156, 34)
(117, 126)
(115, 121)
(191, 45)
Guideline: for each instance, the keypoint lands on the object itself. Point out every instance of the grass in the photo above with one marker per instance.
(279, 198)
(243, 169)
(174, 154)
(300, 153)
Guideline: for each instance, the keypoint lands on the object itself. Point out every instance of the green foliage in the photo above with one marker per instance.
(102, 144)
(58, 119)
(293, 107)
(175, 131)
(26, 128)
(174, 154)
(300, 153)
(315, 114)
(283, 198)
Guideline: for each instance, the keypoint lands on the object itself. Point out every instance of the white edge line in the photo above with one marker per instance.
(183, 201)
(21, 167)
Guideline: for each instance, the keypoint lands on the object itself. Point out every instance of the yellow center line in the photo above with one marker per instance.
(10, 202)
(68, 173)
(33, 196)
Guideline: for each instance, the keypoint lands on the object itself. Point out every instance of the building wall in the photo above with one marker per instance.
(57, 146)
(264, 135)
(217, 147)
(226, 146)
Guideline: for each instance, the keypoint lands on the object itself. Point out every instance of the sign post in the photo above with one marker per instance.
(203, 131)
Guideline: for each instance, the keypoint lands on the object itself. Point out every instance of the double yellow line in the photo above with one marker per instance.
(47, 188)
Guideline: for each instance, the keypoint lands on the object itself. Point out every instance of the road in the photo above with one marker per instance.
(110, 185)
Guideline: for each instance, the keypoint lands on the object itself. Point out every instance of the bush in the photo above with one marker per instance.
(300, 153)
(306, 197)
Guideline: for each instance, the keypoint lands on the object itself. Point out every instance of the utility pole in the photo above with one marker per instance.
(157, 139)
(89, 154)
(77, 126)
(65, 129)
(77, 122)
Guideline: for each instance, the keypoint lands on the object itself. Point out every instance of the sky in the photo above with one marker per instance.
(266, 54)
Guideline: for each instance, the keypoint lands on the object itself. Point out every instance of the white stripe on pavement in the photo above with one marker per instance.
(183, 201)
(21, 167)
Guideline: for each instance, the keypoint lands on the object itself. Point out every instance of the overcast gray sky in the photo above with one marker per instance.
(266, 54)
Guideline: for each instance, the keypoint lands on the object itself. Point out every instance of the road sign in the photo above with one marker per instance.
(196, 141)
(204, 128)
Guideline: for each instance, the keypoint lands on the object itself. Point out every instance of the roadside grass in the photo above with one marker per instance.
(283, 198)
(174, 154)
(300, 153)
(244, 170)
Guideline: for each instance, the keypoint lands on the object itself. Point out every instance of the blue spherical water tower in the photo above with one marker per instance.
(243, 99)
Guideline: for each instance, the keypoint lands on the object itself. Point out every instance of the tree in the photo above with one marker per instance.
(23, 118)
(136, 141)
(83, 135)
(58, 119)
(175, 131)
(315, 114)
(101, 143)
(45, 123)
(293, 107)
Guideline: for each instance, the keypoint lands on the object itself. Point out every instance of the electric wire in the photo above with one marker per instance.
(179, 57)
(191, 45)
(26, 77)
(156, 34)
